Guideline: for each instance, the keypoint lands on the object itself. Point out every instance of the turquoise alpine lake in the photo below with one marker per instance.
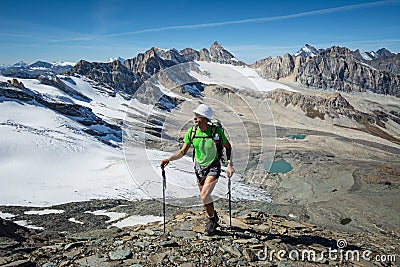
(296, 136)
(280, 166)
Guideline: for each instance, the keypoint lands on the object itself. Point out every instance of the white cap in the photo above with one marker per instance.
(204, 110)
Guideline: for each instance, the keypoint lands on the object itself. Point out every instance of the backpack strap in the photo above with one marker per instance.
(217, 141)
(191, 137)
(192, 133)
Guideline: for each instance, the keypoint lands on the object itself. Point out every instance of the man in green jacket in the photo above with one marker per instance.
(207, 167)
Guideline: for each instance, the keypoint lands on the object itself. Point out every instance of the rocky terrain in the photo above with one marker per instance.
(255, 239)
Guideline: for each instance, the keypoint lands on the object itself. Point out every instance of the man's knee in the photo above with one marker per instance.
(205, 197)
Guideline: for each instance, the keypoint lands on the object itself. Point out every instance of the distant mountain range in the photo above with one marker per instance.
(25, 71)
(336, 68)
(311, 51)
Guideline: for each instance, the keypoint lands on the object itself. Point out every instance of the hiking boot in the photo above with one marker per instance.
(210, 227)
(211, 224)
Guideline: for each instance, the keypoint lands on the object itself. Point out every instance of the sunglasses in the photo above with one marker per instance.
(198, 116)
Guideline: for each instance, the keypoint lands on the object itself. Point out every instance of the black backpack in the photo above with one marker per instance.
(215, 124)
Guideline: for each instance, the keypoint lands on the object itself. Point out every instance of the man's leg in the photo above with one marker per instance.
(205, 194)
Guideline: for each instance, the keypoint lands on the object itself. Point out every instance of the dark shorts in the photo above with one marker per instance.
(214, 169)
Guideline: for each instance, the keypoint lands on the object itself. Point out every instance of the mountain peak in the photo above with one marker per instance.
(308, 51)
(20, 64)
(217, 45)
(120, 59)
(219, 54)
(383, 52)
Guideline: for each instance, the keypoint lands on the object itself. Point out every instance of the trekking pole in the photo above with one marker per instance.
(164, 182)
(230, 205)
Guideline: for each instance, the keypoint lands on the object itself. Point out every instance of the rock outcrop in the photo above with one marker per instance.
(152, 61)
(113, 76)
(387, 63)
(51, 79)
(278, 67)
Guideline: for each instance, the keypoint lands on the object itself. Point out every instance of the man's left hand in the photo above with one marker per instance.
(229, 170)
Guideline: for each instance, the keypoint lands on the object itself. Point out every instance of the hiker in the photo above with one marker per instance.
(207, 159)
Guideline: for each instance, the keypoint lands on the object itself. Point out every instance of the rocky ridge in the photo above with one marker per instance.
(152, 61)
(112, 77)
(335, 68)
(216, 53)
(51, 79)
(254, 240)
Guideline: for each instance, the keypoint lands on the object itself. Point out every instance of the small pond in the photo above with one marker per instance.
(296, 136)
(280, 166)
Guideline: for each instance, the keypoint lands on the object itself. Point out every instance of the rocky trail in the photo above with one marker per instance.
(257, 238)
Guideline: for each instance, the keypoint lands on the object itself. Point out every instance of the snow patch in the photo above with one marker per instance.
(72, 219)
(43, 212)
(27, 225)
(137, 220)
(6, 215)
(241, 77)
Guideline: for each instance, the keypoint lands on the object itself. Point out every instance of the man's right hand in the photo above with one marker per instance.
(164, 163)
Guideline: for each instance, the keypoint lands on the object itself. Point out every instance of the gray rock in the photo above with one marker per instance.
(93, 261)
(183, 233)
(142, 244)
(120, 254)
(148, 231)
(157, 257)
(230, 249)
(73, 245)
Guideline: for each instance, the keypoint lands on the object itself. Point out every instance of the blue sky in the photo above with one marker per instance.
(96, 30)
